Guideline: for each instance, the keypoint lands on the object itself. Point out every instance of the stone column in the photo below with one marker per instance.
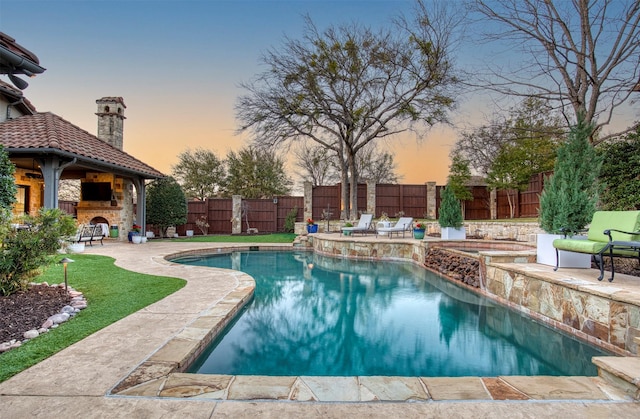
(371, 197)
(236, 218)
(431, 200)
(308, 200)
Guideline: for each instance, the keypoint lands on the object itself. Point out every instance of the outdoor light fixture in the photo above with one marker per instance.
(275, 200)
(64, 262)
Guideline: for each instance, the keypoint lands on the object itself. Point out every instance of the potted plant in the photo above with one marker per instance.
(419, 230)
(135, 231)
(347, 232)
(569, 197)
(312, 227)
(383, 222)
(450, 217)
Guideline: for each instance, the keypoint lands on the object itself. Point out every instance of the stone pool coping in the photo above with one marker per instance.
(162, 374)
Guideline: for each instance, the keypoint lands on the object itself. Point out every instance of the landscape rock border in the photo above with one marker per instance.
(77, 303)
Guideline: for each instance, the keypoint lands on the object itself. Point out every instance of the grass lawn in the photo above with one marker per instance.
(112, 293)
(254, 238)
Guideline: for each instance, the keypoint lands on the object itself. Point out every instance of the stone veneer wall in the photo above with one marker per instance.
(570, 305)
(36, 186)
(512, 230)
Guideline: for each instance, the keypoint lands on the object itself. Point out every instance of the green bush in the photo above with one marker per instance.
(570, 195)
(166, 204)
(450, 214)
(25, 251)
(620, 173)
(290, 220)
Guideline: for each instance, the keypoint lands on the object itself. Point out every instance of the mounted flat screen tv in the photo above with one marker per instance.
(96, 191)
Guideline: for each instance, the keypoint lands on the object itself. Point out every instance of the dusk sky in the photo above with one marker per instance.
(178, 65)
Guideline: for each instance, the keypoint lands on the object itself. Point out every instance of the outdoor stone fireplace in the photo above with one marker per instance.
(117, 211)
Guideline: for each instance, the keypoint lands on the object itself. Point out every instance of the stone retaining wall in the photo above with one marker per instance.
(520, 231)
(603, 317)
(600, 315)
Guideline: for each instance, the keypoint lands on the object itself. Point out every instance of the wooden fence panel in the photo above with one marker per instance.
(195, 210)
(410, 199)
(386, 200)
(285, 205)
(326, 198)
(260, 214)
(413, 200)
(478, 208)
(530, 199)
(219, 214)
(527, 203)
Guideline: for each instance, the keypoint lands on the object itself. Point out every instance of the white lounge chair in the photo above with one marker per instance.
(364, 225)
(403, 224)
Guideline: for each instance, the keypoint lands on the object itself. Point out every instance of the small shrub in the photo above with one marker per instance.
(24, 252)
(203, 225)
(290, 220)
(450, 211)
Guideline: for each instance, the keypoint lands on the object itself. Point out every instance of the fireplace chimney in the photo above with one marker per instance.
(111, 120)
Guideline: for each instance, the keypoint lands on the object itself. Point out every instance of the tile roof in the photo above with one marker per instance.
(10, 44)
(9, 91)
(49, 131)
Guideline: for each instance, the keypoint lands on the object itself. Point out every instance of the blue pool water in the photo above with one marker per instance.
(323, 316)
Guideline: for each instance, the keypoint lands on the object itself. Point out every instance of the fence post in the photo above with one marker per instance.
(493, 203)
(432, 196)
(371, 197)
(275, 214)
(308, 200)
(236, 219)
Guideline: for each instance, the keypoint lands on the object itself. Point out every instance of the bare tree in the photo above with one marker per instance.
(583, 54)
(317, 164)
(321, 166)
(531, 124)
(376, 165)
(348, 86)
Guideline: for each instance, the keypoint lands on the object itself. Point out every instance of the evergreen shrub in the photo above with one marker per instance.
(570, 195)
(450, 212)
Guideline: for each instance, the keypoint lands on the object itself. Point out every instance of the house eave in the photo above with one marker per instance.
(83, 161)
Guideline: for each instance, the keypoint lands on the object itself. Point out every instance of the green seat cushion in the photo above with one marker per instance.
(619, 220)
(580, 246)
(622, 252)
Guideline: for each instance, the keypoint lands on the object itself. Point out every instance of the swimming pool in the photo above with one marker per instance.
(317, 315)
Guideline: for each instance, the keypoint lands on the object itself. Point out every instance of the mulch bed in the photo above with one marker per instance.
(27, 310)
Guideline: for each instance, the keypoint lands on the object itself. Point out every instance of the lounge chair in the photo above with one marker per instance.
(364, 225)
(401, 226)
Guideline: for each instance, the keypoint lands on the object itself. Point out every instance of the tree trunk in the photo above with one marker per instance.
(353, 186)
(344, 192)
(510, 200)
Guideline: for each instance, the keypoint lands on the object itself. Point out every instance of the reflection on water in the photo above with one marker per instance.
(316, 315)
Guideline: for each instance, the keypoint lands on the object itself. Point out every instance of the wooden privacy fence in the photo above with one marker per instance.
(417, 201)
(409, 199)
(423, 201)
(527, 203)
(267, 215)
